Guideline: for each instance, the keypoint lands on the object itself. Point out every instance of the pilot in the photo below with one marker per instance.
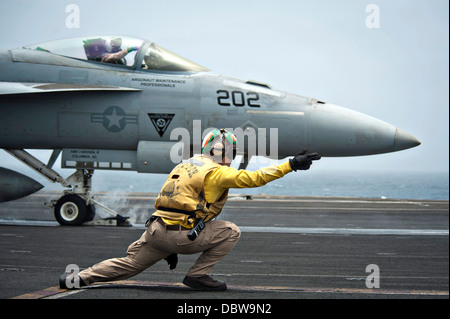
(184, 221)
(118, 57)
(98, 50)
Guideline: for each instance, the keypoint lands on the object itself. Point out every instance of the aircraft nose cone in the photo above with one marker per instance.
(338, 131)
(403, 140)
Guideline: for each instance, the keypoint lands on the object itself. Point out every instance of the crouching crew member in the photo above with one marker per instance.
(184, 221)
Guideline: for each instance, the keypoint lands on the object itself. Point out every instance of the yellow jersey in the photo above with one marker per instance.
(199, 188)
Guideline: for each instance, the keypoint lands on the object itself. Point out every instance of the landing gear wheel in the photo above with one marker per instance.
(90, 213)
(71, 210)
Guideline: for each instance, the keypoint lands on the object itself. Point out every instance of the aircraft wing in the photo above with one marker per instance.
(25, 88)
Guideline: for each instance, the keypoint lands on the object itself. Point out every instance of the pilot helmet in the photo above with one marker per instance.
(220, 142)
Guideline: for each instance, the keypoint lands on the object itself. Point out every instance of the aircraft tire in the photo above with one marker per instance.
(90, 213)
(71, 210)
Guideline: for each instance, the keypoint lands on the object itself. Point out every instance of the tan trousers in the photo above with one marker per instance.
(216, 240)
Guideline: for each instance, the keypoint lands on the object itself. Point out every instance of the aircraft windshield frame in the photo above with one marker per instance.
(157, 58)
(121, 51)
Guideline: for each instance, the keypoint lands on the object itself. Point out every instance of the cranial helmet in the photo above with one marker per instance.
(220, 142)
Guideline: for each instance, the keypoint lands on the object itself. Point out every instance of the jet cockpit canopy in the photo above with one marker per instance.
(121, 50)
(160, 59)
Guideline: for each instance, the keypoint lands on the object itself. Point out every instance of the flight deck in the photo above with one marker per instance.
(290, 248)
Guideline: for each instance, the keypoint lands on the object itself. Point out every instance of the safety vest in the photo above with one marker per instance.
(182, 197)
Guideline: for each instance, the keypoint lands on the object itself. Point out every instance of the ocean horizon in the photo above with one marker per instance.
(385, 185)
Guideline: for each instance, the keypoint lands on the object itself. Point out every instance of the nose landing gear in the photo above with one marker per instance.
(77, 205)
(71, 209)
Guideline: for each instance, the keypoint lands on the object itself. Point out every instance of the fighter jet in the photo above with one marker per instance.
(124, 103)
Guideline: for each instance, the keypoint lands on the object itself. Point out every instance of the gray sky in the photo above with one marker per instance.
(398, 73)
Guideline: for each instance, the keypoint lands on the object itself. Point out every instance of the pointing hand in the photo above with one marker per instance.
(302, 161)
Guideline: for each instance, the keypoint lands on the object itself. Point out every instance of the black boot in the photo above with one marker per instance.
(204, 283)
(75, 282)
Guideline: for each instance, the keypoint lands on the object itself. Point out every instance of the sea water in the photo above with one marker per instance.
(392, 185)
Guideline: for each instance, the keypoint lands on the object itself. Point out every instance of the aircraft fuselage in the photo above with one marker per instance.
(74, 104)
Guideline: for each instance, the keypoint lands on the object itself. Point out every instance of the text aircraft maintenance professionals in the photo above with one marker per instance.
(123, 103)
